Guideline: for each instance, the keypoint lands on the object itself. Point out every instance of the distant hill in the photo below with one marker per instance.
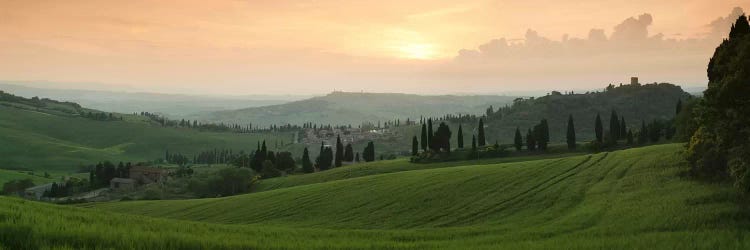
(341, 108)
(48, 135)
(635, 103)
(173, 105)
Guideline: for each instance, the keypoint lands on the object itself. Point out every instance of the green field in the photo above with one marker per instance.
(60, 144)
(9, 175)
(629, 199)
(388, 166)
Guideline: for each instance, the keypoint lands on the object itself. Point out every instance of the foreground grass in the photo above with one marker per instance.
(625, 199)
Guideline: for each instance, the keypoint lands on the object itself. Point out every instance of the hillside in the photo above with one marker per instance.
(521, 193)
(624, 199)
(635, 103)
(51, 136)
(341, 108)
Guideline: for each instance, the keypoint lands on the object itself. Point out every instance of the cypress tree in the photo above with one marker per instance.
(349, 153)
(571, 135)
(543, 138)
(339, 152)
(530, 143)
(430, 142)
(630, 137)
(598, 128)
(443, 138)
(643, 134)
(623, 128)
(517, 140)
(414, 146)
(369, 153)
(614, 126)
(460, 138)
(424, 137)
(307, 166)
(481, 140)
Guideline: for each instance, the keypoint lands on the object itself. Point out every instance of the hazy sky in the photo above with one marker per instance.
(304, 47)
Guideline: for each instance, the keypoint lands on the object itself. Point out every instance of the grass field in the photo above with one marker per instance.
(384, 167)
(55, 143)
(624, 199)
(9, 175)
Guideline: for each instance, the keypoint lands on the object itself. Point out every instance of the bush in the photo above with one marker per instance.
(152, 193)
(228, 181)
(17, 186)
(594, 146)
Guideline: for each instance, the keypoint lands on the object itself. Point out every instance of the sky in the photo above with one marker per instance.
(234, 47)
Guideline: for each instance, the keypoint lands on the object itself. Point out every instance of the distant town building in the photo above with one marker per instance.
(634, 80)
(122, 184)
(147, 175)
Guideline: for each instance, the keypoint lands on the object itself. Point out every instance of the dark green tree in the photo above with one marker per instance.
(481, 140)
(460, 137)
(285, 162)
(599, 129)
(325, 159)
(543, 135)
(655, 129)
(442, 138)
(517, 140)
(307, 165)
(678, 107)
(269, 170)
(630, 137)
(614, 126)
(530, 140)
(430, 142)
(643, 133)
(424, 137)
(571, 135)
(339, 152)
(623, 128)
(369, 153)
(349, 153)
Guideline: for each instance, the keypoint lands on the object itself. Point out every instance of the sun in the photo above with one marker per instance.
(420, 51)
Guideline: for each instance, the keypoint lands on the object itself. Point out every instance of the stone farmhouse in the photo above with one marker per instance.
(140, 175)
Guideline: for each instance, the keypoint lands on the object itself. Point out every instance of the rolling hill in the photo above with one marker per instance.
(633, 198)
(341, 108)
(47, 135)
(635, 103)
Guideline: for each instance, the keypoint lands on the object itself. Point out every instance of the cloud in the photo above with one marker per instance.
(629, 50)
(721, 25)
(633, 29)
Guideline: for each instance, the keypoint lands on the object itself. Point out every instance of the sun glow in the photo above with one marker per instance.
(417, 51)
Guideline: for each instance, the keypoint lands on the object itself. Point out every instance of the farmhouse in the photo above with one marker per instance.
(122, 184)
(147, 175)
